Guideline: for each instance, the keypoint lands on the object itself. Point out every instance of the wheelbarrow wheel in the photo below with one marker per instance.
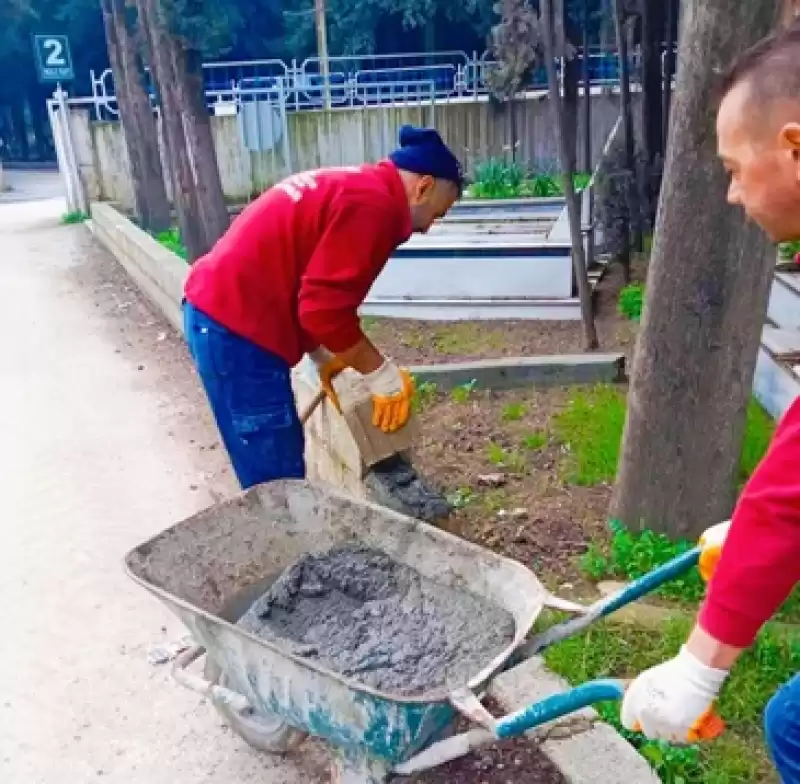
(264, 732)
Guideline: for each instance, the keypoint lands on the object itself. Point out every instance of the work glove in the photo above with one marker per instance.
(711, 549)
(328, 366)
(674, 701)
(392, 389)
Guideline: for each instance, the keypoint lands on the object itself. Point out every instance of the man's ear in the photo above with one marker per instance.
(425, 184)
(790, 137)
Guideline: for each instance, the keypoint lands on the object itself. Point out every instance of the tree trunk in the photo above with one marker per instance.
(197, 189)
(628, 140)
(573, 205)
(587, 93)
(568, 55)
(671, 25)
(706, 299)
(652, 102)
(138, 120)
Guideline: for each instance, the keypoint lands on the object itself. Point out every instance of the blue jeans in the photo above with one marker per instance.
(782, 729)
(250, 393)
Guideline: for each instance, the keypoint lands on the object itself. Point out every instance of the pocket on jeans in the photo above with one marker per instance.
(239, 358)
(265, 397)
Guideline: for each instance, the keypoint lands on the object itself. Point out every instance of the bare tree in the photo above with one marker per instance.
(138, 119)
(706, 299)
(567, 178)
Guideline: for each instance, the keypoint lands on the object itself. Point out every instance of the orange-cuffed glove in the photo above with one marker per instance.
(328, 366)
(675, 701)
(711, 543)
(392, 390)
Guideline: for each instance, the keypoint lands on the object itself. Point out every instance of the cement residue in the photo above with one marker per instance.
(396, 483)
(364, 615)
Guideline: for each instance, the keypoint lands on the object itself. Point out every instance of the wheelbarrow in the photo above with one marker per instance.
(209, 568)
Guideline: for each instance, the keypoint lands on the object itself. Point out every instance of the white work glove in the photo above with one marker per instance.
(675, 701)
(392, 390)
(711, 543)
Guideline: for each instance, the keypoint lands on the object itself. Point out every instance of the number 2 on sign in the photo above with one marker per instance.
(55, 53)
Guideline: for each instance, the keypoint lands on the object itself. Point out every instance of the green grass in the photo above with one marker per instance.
(739, 756)
(533, 442)
(511, 459)
(631, 301)
(461, 497)
(513, 412)
(463, 392)
(71, 218)
(466, 338)
(590, 428)
(424, 395)
(172, 240)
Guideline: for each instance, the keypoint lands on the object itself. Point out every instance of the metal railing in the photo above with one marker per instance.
(362, 80)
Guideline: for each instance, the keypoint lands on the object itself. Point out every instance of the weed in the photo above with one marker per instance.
(513, 412)
(496, 178)
(494, 500)
(467, 339)
(511, 459)
(424, 395)
(76, 216)
(788, 250)
(533, 442)
(633, 554)
(460, 498)
(463, 392)
(369, 323)
(624, 651)
(173, 241)
(631, 301)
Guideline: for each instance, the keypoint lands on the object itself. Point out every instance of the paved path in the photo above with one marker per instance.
(105, 441)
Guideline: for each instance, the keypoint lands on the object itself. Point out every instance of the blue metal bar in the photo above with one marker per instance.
(606, 606)
(559, 705)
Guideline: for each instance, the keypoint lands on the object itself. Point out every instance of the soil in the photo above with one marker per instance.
(509, 762)
(380, 622)
(426, 342)
(534, 516)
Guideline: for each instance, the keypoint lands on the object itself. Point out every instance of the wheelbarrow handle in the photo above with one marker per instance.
(559, 705)
(491, 730)
(608, 605)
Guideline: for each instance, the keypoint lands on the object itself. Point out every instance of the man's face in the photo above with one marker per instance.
(762, 155)
(430, 200)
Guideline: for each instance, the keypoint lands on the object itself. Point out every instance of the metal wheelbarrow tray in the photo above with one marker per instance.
(210, 567)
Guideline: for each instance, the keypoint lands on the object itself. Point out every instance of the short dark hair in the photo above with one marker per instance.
(771, 67)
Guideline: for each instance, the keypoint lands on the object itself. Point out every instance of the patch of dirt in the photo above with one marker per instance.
(533, 516)
(509, 762)
(426, 342)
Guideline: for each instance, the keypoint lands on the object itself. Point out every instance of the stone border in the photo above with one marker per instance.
(516, 372)
(586, 750)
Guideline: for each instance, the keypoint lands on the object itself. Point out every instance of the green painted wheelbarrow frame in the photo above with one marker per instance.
(203, 566)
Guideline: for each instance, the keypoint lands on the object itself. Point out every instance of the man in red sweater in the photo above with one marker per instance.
(288, 278)
(758, 129)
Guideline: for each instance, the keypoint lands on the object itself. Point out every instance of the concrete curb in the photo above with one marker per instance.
(583, 748)
(516, 372)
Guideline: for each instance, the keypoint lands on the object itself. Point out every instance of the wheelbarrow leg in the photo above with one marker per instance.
(359, 770)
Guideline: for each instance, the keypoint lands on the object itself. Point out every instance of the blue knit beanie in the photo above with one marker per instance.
(422, 151)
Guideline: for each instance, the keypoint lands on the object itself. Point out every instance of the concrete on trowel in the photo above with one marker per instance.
(585, 749)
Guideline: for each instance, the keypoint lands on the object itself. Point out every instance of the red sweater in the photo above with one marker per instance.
(760, 563)
(294, 267)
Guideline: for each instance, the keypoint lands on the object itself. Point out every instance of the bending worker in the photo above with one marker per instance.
(758, 129)
(287, 279)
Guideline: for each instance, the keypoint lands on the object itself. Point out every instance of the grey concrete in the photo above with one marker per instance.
(586, 750)
(107, 440)
(516, 372)
(21, 185)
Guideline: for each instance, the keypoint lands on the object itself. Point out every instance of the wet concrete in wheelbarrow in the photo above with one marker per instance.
(380, 622)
